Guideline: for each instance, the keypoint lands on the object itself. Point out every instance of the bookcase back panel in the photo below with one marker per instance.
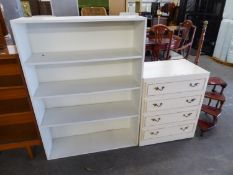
(88, 128)
(72, 36)
(84, 71)
(75, 100)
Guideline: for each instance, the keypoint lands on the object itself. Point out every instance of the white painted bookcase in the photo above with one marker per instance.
(84, 79)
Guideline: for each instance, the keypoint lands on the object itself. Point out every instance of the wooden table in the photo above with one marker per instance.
(173, 28)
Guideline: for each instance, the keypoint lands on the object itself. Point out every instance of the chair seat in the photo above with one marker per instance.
(204, 125)
(217, 81)
(175, 56)
(215, 96)
(215, 112)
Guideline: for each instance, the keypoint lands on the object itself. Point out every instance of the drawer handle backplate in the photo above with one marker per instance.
(159, 89)
(187, 115)
(154, 133)
(158, 105)
(184, 128)
(191, 100)
(156, 120)
(194, 84)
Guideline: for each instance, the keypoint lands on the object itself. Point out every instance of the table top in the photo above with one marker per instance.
(153, 42)
(161, 17)
(172, 28)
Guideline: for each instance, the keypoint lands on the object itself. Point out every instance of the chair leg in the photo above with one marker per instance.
(29, 152)
(201, 133)
(187, 53)
(153, 57)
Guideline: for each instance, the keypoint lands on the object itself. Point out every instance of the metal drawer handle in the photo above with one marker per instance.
(156, 120)
(154, 133)
(187, 115)
(158, 105)
(159, 89)
(184, 128)
(193, 84)
(191, 100)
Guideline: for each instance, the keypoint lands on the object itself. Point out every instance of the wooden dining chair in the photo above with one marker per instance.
(174, 54)
(93, 11)
(159, 42)
(186, 32)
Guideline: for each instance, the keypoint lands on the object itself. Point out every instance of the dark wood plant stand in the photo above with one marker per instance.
(213, 111)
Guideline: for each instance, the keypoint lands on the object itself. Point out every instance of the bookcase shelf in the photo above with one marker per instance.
(86, 86)
(83, 56)
(84, 79)
(89, 113)
(90, 143)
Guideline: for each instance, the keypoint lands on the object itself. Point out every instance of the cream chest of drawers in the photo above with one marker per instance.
(173, 93)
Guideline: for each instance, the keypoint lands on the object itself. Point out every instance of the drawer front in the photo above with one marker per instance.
(170, 118)
(163, 104)
(180, 129)
(173, 87)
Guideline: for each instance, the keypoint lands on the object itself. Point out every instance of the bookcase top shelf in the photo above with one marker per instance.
(52, 19)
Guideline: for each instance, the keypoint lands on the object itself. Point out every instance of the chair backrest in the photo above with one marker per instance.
(163, 38)
(161, 32)
(93, 11)
(187, 32)
(201, 41)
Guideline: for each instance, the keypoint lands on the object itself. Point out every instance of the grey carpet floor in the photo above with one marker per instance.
(209, 155)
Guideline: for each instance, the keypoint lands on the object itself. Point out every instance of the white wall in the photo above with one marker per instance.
(228, 12)
(224, 46)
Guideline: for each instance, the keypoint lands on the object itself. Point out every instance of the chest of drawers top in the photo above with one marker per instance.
(171, 69)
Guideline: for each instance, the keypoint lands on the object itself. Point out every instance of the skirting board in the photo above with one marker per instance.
(221, 62)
